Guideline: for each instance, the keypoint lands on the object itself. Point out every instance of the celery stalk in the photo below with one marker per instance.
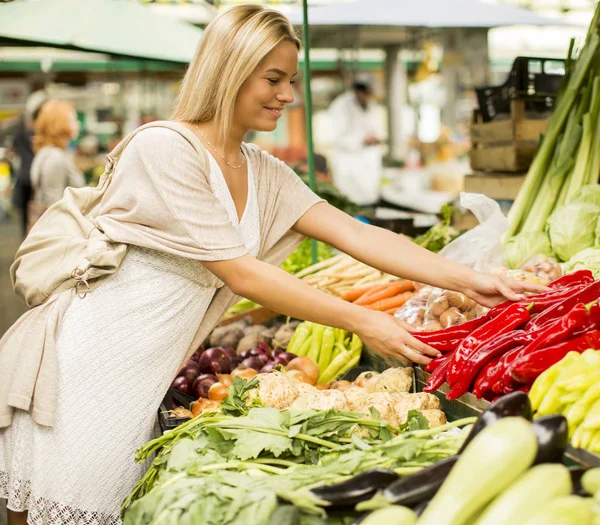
(546, 197)
(543, 159)
(593, 166)
(581, 163)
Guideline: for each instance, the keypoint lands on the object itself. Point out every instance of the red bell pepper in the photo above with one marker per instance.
(552, 333)
(448, 339)
(509, 319)
(585, 294)
(437, 378)
(483, 355)
(578, 277)
(527, 368)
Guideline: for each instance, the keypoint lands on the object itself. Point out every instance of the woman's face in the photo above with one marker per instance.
(263, 96)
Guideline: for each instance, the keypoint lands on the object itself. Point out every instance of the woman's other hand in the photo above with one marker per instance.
(489, 289)
(388, 336)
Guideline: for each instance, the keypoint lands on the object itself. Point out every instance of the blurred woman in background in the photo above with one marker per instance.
(53, 168)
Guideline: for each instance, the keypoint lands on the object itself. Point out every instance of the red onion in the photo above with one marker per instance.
(253, 362)
(191, 370)
(268, 367)
(284, 358)
(214, 361)
(183, 384)
(202, 384)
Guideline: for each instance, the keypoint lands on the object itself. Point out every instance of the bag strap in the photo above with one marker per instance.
(113, 157)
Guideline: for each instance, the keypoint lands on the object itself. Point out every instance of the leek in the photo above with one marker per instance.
(542, 163)
(593, 166)
(578, 175)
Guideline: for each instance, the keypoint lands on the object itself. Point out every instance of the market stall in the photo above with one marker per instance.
(279, 421)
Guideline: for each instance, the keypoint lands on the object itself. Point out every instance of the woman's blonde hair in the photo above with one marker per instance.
(231, 48)
(53, 125)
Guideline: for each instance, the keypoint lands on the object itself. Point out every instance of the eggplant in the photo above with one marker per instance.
(576, 475)
(512, 405)
(420, 507)
(354, 490)
(360, 519)
(421, 486)
(552, 433)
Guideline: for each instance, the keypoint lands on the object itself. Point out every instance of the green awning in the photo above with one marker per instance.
(115, 27)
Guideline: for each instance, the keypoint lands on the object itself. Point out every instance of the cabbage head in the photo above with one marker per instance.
(525, 246)
(572, 228)
(588, 258)
(589, 194)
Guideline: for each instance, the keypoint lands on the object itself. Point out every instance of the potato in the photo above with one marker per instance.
(451, 317)
(439, 306)
(431, 326)
(227, 336)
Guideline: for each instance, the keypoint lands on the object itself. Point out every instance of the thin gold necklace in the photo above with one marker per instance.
(217, 151)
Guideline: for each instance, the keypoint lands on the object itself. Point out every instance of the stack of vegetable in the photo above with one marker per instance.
(301, 257)
(341, 273)
(388, 297)
(441, 234)
(249, 465)
(334, 350)
(509, 473)
(571, 387)
(567, 160)
(508, 348)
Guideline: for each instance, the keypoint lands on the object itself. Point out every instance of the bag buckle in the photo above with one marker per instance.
(80, 280)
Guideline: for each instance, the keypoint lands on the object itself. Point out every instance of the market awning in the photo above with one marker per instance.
(423, 13)
(107, 26)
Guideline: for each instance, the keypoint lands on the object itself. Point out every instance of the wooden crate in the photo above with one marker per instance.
(505, 145)
(499, 186)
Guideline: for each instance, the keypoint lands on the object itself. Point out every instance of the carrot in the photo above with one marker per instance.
(390, 302)
(353, 295)
(392, 311)
(389, 290)
(374, 289)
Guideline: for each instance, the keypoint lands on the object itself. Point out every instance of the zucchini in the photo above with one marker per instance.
(568, 510)
(512, 405)
(590, 481)
(495, 458)
(392, 515)
(528, 495)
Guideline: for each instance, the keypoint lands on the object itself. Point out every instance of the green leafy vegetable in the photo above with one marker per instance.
(441, 234)
(572, 228)
(588, 258)
(524, 246)
(301, 257)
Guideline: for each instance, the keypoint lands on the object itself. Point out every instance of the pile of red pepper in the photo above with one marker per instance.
(509, 347)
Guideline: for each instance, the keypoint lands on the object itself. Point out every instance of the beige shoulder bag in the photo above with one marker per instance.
(65, 248)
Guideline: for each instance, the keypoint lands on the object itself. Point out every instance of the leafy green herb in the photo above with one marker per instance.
(235, 404)
(440, 234)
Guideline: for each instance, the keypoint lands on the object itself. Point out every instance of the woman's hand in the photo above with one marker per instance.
(489, 289)
(388, 336)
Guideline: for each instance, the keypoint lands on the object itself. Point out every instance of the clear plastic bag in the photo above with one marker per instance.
(433, 309)
(544, 267)
(481, 247)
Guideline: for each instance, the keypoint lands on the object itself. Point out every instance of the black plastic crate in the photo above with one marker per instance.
(535, 80)
(173, 399)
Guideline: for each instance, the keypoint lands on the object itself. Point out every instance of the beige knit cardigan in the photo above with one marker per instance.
(160, 198)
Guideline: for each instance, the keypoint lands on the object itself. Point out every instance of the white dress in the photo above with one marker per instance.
(118, 351)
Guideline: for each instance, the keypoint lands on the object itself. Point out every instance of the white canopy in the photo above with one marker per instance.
(423, 13)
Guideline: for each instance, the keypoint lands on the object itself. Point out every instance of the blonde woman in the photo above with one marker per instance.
(200, 229)
(53, 169)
